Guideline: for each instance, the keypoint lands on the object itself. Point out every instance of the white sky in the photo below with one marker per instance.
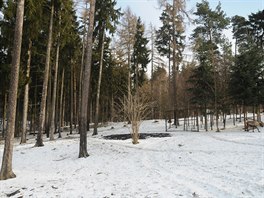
(150, 12)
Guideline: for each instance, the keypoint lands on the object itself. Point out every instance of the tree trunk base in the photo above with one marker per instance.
(39, 143)
(7, 175)
(95, 133)
(23, 141)
(83, 155)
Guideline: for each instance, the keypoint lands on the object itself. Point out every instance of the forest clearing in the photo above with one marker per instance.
(187, 164)
(95, 101)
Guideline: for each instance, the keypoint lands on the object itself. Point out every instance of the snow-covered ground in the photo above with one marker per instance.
(189, 164)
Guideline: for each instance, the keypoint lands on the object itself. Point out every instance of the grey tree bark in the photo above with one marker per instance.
(6, 168)
(86, 84)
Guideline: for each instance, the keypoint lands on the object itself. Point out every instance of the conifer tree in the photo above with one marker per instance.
(207, 36)
(140, 56)
(106, 18)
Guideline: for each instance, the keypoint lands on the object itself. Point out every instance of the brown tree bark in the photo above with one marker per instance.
(6, 168)
(39, 141)
(86, 84)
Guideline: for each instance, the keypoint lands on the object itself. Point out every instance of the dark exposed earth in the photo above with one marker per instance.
(141, 136)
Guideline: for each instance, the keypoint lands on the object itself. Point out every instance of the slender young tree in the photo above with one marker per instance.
(86, 84)
(6, 168)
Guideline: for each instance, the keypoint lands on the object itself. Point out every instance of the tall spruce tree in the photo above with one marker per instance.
(140, 56)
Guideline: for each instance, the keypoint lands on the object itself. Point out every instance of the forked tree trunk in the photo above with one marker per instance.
(53, 103)
(6, 168)
(97, 104)
(86, 84)
(25, 103)
(45, 83)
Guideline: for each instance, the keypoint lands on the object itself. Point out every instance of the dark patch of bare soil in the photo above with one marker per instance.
(141, 136)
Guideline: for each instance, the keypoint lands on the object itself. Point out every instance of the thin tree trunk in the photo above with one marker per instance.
(48, 109)
(86, 84)
(54, 95)
(17, 127)
(80, 82)
(61, 103)
(75, 98)
(97, 104)
(6, 169)
(35, 107)
(174, 65)
(152, 70)
(39, 141)
(63, 111)
(4, 114)
(71, 98)
(25, 104)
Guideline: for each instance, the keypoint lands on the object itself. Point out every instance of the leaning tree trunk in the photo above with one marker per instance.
(25, 103)
(45, 83)
(86, 84)
(97, 105)
(6, 169)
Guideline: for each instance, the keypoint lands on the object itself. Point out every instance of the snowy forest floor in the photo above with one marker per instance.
(187, 164)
